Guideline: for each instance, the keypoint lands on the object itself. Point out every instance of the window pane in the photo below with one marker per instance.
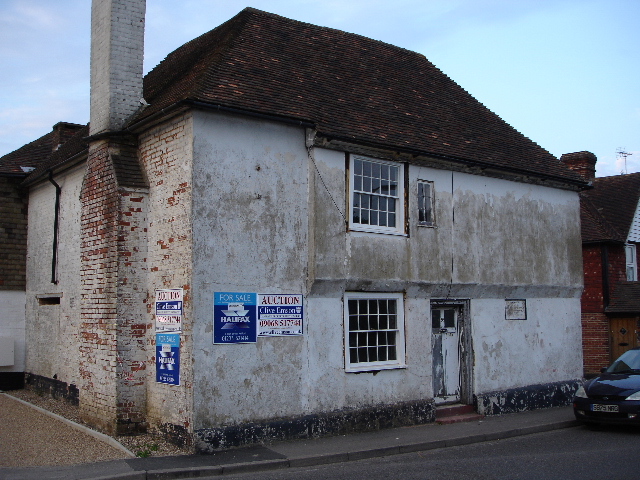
(391, 304)
(373, 354)
(353, 355)
(363, 306)
(366, 184)
(366, 169)
(353, 322)
(357, 167)
(357, 183)
(392, 351)
(449, 318)
(393, 189)
(383, 354)
(435, 319)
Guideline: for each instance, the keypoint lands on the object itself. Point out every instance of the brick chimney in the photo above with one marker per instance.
(112, 353)
(117, 51)
(63, 131)
(583, 163)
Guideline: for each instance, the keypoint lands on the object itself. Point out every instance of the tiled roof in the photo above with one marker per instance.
(607, 209)
(37, 152)
(351, 87)
(72, 147)
(625, 298)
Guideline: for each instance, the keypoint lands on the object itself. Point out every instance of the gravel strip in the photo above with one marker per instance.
(151, 444)
(31, 438)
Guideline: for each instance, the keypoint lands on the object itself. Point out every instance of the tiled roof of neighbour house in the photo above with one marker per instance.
(625, 298)
(607, 210)
(126, 165)
(75, 145)
(37, 152)
(350, 87)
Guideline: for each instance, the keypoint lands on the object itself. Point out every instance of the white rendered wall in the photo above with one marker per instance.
(544, 348)
(53, 330)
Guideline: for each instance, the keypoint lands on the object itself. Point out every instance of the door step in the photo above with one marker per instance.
(447, 414)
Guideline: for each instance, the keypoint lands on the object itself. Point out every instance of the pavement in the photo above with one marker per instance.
(91, 445)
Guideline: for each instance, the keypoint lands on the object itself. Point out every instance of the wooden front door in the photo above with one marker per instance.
(624, 335)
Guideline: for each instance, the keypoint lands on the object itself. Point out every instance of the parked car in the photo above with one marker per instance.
(613, 397)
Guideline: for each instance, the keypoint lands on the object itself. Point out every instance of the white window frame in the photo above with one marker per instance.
(631, 260)
(398, 198)
(422, 205)
(399, 361)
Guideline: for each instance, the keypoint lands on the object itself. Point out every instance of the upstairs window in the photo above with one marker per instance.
(425, 203)
(377, 196)
(632, 264)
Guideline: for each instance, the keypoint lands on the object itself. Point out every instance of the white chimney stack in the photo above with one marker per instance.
(117, 53)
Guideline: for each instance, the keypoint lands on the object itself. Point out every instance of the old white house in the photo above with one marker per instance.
(299, 231)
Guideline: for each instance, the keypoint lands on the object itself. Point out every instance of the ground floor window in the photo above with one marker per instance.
(374, 331)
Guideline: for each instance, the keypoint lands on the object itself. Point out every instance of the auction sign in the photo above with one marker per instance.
(279, 315)
(169, 310)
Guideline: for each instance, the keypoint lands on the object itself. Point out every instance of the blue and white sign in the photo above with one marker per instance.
(168, 358)
(235, 317)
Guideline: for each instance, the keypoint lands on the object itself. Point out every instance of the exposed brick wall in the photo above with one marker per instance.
(595, 324)
(595, 342)
(114, 317)
(98, 345)
(166, 153)
(592, 296)
(13, 234)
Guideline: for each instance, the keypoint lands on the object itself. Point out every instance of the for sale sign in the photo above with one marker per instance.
(234, 317)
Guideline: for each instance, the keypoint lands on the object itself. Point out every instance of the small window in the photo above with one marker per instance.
(377, 196)
(632, 264)
(425, 203)
(374, 331)
(48, 300)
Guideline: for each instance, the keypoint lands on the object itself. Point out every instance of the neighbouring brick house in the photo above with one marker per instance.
(610, 222)
(322, 232)
(14, 168)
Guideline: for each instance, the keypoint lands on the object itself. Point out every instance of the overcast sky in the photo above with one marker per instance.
(565, 73)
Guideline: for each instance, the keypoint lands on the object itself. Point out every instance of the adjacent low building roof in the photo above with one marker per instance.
(28, 157)
(625, 298)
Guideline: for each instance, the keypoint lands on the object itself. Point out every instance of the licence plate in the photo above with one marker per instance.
(604, 408)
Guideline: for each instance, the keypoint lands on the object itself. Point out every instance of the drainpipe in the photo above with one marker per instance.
(54, 257)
